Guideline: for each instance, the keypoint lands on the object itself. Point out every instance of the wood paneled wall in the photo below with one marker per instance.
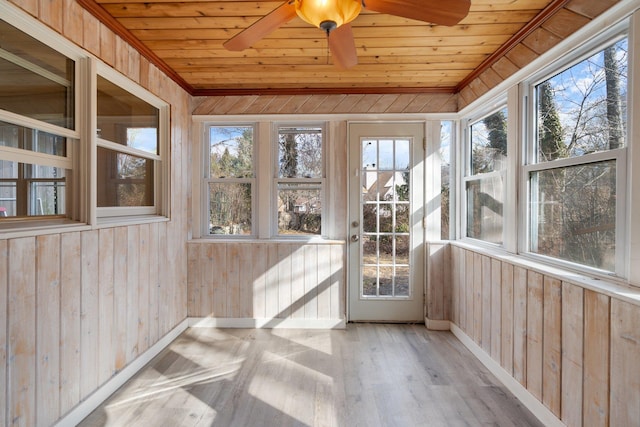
(270, 280)
(76, 307)
(575, 349)
(328, 104)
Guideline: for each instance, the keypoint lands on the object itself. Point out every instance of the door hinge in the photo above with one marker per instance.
(424, 143)
(424, 223)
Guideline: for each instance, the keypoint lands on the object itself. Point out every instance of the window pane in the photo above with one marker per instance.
(573, 214)
(489, 143)
(582, 110)
(229, 208)
(125, 119)
(231, 152)
(484, 209)
(300, 152)
(29, 139)
(37, 81)
(124, 180)
(31, 190)
(299, 209)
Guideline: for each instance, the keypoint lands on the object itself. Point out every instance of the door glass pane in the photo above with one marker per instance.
(385, 218)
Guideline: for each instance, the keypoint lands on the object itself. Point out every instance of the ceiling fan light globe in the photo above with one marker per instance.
(317, 12)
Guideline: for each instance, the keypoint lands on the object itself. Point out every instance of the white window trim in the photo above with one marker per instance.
(276, 180)
(205, 180)
(464, 171)
(624, 196)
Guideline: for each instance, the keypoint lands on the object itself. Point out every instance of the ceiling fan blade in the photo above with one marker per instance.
(343, 47)
(261, 28)
(439, 12)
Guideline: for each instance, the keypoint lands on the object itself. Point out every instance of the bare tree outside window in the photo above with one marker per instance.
(580, 111)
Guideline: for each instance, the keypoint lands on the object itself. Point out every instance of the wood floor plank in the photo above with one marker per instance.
(368, 374)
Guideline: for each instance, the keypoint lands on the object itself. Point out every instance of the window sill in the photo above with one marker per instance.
(120, 221)
(612, 286)
(30, 228)
(313, 241)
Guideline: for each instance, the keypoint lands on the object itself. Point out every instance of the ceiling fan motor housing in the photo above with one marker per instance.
(328, 14)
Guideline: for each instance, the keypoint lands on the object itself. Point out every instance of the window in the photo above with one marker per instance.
(577, 158)
(485, 180)
(262, 180)
(130, 150)
(37, 127)
(230, 180)
(299, 180)
(446, 144)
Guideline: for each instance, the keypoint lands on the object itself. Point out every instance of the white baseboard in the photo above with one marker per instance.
(84, 408)
(254, 323)
(437, 325)
(522, 394)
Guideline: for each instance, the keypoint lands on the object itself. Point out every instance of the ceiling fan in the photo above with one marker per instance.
(334, 16)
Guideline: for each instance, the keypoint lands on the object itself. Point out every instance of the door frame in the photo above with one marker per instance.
(415, 129)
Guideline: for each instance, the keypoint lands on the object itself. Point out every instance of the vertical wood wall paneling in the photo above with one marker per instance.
(338, 291)
(21, 367)
(477, 299)
(469, 292)
(572, 354)
(435, 281)
(47, 328)
(154, 261)
(311, 281)
(507, 318)
(597, 323)
(70, 332)
(204, 273)
(520, 325)
(284, 280)
(272, 285)
(297, 281)
(324, 277)
(259, 259)
(534, 333)
(496, 309)
(447, 284)
(164, 324)
(486, 304)
(89, 340)
(245, 280)
(133, 297)
(106, 319)
(233, 280)
(455, 285)
(625, 356)
(4, 296)
(194, 278)
(143, 289)
(120, 295)
(552, 345)
(219, 276)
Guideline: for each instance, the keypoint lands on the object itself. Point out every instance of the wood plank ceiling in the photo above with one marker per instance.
(395, 54)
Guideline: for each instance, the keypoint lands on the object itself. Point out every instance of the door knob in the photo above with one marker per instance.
(355, 238)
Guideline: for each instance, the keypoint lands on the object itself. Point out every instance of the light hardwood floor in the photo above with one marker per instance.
(366, 375)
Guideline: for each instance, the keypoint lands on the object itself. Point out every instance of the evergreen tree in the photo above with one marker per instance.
(550, 141)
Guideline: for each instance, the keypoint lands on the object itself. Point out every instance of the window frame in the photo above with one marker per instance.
(73, 135)
(498, 104)
(206, 180)
(310, 181)
(529, 164)
(160, 160)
